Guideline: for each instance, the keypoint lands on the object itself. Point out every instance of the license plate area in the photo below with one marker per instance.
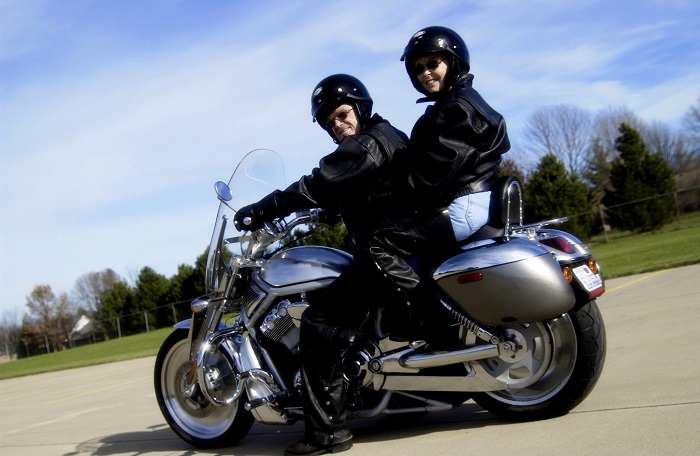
(588, 278)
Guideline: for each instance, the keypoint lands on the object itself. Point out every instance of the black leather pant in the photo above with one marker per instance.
(394, 247)
(342, 309)
(380, 267)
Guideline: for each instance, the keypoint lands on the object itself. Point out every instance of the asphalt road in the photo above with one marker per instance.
(647, 401)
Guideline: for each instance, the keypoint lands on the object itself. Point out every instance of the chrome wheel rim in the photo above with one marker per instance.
(191, 411)
(542, 364)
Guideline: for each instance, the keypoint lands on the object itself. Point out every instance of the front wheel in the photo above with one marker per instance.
(561, 364)
(196, 420)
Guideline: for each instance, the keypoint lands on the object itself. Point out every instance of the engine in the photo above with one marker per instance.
(282, 323)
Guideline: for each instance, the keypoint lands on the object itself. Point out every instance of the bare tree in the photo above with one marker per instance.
(10, 332)
(659, 138)
(91, 289)
(48, 316)
(561, 130)
(690, 177)
(691, 125)
(606, 127)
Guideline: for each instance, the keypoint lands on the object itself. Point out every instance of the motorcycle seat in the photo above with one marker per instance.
(506, 209)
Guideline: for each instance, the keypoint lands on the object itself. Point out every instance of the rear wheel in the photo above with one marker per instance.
(557, 368)
(196, 420)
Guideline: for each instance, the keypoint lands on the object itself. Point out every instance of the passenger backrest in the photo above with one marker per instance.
(506, 210)
(506, 203)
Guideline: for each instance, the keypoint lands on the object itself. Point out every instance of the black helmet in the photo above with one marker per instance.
(432, 40)
(335, 90)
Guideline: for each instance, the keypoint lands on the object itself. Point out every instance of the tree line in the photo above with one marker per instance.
(605, 170)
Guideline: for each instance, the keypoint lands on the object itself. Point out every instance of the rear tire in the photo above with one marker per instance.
(193, 418)
(575, 359)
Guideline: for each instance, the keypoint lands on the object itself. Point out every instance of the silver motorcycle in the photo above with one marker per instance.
(527, 341)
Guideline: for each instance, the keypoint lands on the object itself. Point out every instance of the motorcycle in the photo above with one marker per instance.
(527, 340)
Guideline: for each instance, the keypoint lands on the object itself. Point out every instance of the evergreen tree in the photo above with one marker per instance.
(642, 183)
(320, 234)
(152, 292)
(552, 192)
(186, 285)
(329, 235)
(117, 303)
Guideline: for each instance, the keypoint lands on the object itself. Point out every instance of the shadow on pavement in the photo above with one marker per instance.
(265, 440)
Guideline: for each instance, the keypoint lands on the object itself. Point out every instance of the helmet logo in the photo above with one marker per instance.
(421, 33)
(318, 91)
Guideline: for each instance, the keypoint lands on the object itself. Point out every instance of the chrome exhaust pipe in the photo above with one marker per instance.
(412, 361)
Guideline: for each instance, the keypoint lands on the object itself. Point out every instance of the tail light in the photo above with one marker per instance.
(559, 243)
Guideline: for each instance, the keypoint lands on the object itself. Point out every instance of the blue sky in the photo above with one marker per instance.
(116, 118)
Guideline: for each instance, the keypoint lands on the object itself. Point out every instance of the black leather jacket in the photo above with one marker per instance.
(353, 180)
(455, 148)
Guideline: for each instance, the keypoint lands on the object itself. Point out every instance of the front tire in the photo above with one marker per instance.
(192, 417)
(568, 355)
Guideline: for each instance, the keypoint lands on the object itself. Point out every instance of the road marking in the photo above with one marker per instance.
(59, 419)
(641, 279)
(99, 390)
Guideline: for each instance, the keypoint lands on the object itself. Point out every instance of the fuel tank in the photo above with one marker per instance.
(515, 281)
(304, 264)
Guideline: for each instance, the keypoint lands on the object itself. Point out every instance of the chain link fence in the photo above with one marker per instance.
(89, 331)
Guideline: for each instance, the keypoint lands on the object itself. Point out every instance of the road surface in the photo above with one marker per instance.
(647, 401)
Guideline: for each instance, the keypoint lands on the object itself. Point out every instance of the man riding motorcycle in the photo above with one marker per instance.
(353, 181)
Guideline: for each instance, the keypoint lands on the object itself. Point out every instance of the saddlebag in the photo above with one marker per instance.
(513, 281)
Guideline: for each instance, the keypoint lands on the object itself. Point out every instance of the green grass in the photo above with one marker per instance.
(129, 347)
(622, 254)
(676, 244)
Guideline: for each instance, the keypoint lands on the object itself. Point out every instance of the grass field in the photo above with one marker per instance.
(129, 347)
(622, 254)
(676, 244)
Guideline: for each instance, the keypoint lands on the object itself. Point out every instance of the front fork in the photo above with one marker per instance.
(207, 315)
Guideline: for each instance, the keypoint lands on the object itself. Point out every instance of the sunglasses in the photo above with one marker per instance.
(330, 123)
(431, 65)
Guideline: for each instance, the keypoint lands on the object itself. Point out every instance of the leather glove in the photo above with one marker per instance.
(260, 212)
(252, 211)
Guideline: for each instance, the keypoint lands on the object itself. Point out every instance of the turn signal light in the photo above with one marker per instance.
(568, 273)
(593, 265)
(198, 305)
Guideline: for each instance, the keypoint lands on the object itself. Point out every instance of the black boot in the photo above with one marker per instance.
(303, 448)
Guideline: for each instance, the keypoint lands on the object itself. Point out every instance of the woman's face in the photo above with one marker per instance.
(343, 122)
(431, 70)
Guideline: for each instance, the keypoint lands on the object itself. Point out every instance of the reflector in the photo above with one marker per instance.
(469, 278)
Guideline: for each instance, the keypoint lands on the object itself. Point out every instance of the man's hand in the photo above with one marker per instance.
(254, 213)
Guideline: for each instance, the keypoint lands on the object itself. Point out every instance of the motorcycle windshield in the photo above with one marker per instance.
(257, 174)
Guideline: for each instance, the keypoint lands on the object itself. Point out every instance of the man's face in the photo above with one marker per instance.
(343, 121)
